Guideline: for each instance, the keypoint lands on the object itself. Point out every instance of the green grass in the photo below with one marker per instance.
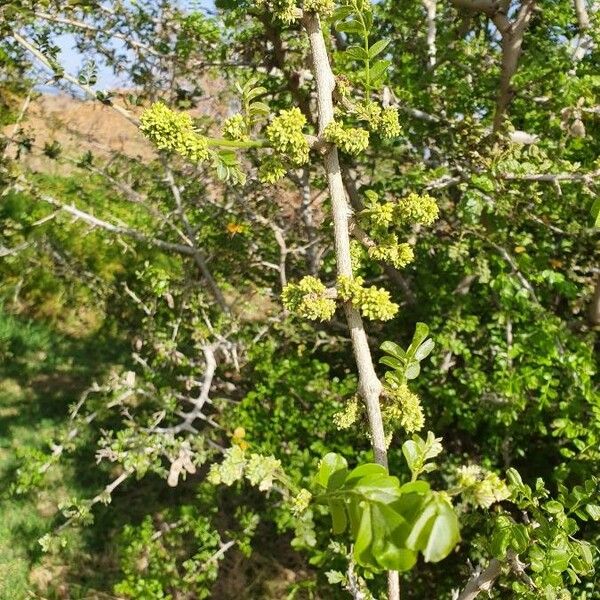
(41, 373)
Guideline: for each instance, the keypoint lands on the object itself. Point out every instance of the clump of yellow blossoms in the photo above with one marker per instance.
(285, 136)
(351, 140)
(374, 303)
(308, 299)
(173, 132)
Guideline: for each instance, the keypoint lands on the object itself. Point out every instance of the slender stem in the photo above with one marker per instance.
(223, 143)
(370, 387)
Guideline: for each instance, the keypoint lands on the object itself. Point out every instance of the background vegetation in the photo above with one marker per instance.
(143, 337)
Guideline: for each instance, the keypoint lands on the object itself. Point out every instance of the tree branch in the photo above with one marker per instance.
(583, 18)
(481, 581)
(368, 383)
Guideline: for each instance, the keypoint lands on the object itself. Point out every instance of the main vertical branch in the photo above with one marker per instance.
(368, 383)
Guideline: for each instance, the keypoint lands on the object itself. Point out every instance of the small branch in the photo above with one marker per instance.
(583, 18)
(431, 9)
(197, 253)
(591, 177)
(481, 581)
(126, 231)
(108, 490)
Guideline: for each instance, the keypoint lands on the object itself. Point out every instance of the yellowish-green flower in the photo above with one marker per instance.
(301, 502)
(370, 112)
(308, 299)
(351, 140)
(285, 135)
(347, 417)
(416, 209)
(380, 214)
(321, 7)
(261, 470)
(284, 10)
(374, 303)
(389, 124)
(271, 170)
(357, 255)
(236, 128)
(403, 408)
(231, 469)
(392, 252)
(173, 132)
(481, 487)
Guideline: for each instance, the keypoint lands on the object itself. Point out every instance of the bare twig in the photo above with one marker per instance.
(128, 40)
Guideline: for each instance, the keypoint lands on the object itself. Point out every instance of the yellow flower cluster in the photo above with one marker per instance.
(481, 487)
(411, 209)
(403, 408)
(392, 252)
(357, 255)
(271, 170)
(285, 135)
(351, 140)
(308, 299)
(173, 132)
(417, 209)
(385, 121)
(236, 128)
(374, 303)
(389, 125)
(321, 7)
(284, 10)
(301, 502)
(258, 469)
(347, 417)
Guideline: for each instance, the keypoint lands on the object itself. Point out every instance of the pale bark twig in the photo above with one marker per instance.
(370, 387)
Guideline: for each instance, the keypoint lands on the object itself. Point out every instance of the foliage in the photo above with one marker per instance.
(159, 403)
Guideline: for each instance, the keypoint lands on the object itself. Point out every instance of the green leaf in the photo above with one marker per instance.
(594, 511)
(357, 53)
(419, 336)
(596, 212)
(351, 26)
(412, 370)
(332, 471)
(255, 93)
(377, 48)
(338, 516)
(393, 349)
(414, 458)
(378, 69)
(259, 108)
(436, 531)
(554, 507)
(424, 350)
(341, 13)
(392, 362)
